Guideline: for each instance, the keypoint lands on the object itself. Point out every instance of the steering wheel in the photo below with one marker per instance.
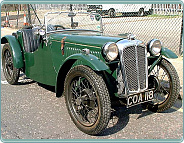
(58, 26)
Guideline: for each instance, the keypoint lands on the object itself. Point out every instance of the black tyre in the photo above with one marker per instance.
(87, 100)
(165, 80)
(141, 12)
(111, 13)
(10, 72)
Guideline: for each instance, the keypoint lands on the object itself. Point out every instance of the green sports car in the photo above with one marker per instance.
(91, 69)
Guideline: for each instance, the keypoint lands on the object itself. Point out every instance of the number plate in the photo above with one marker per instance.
(139, 98)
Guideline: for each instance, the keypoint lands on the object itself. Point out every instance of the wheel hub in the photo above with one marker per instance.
(78, 101)
(87, 98)
(83, 98)
(153, 82)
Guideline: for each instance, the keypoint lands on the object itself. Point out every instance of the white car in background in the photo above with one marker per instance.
(112, 9)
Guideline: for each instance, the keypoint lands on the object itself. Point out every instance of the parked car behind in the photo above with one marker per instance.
(125, 9)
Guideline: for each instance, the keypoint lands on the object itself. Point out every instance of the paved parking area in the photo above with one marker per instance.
(31, 111)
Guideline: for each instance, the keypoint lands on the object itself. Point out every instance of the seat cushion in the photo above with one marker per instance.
(31, 40)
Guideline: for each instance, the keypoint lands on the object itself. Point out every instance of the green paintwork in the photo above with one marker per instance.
(44, 64)
(16, 50)
(20, 39)
(168, 53)
(74, 45)
(47, 64)
(157, 60)
(91, 41)
(164, 52)
(39, 66)
(89, 60)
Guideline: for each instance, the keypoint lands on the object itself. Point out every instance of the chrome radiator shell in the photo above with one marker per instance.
(134, 66)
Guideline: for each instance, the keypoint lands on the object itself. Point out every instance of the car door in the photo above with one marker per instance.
(38, 62)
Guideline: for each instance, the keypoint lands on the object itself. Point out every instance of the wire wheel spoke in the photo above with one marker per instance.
(75, 92)
(10, 71)
(163, 86)
(8, 63)
(84, 101)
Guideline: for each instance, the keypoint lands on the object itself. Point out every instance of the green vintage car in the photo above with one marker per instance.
(90, 68)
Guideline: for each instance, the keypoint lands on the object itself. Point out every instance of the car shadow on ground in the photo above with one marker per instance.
(120, 118)
(47, 87)
(176, 107)
(23, 80)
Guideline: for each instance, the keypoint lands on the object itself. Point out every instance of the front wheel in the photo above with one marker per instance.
(87, 100)
(111, 13)
(165, 80)
(141, 12)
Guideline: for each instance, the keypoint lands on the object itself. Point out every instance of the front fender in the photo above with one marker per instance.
(16, 50)
(89, 60)
(168, 53)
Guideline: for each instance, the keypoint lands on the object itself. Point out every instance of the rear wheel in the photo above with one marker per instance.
(165, 80)
(10, 72)
(87, 100)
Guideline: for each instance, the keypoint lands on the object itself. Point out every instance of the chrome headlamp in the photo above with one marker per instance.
(110, 51)
(154, 47)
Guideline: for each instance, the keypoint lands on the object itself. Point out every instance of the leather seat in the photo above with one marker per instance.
(31, 40)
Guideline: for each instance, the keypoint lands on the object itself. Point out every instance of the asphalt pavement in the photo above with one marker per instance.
(31, 110)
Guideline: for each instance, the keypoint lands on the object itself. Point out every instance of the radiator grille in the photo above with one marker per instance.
(135, 67)
(142, 67)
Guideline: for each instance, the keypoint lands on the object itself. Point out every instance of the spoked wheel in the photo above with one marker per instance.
(10, 72)
(165, 80)
(84, 101)
(87, 100)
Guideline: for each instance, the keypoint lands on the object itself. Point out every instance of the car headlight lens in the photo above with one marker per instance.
(154, 46)
(110, 50)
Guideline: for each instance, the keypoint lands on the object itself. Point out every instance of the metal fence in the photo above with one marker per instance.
(146, 21)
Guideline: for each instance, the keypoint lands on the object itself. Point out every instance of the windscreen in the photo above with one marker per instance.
(69, 20)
